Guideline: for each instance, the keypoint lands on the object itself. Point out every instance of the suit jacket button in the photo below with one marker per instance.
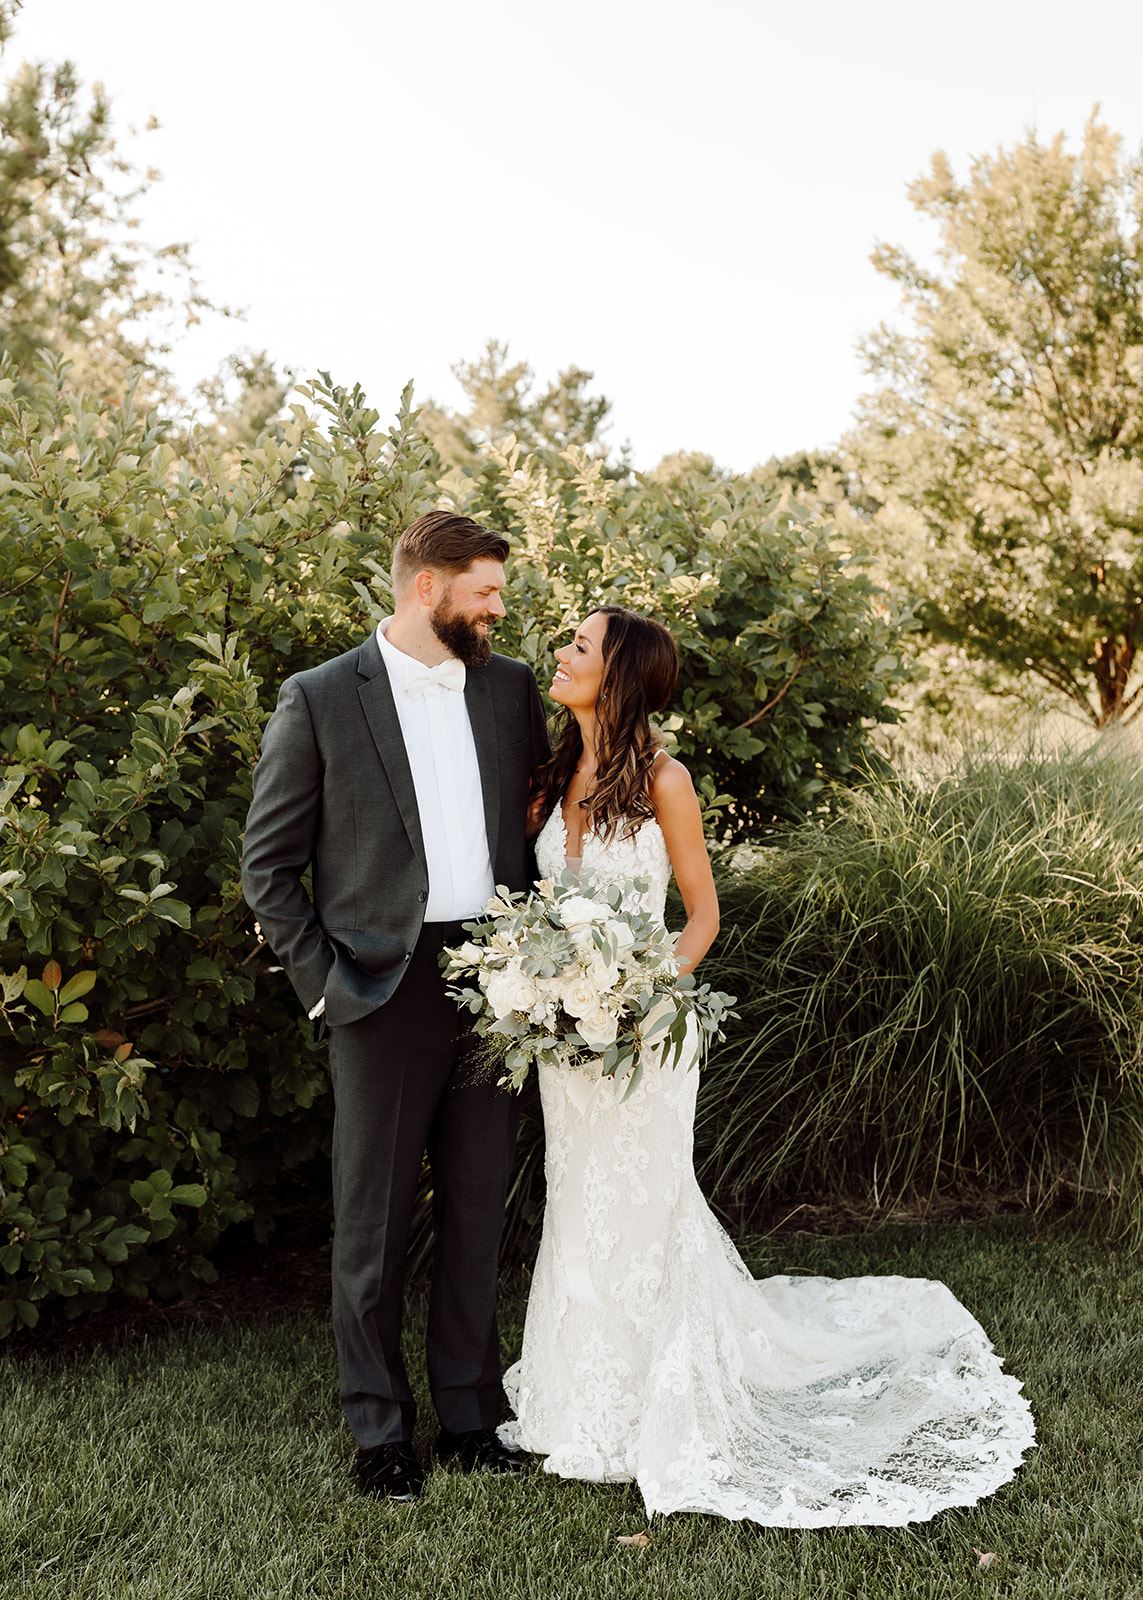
(423, 896)
(408, 955)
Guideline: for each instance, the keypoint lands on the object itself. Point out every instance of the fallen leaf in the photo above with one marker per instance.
(986, 1557)
(641, 1540)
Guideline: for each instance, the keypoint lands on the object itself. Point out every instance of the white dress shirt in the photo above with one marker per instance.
(446, 779)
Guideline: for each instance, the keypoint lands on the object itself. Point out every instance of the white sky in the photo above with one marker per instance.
(680, 195)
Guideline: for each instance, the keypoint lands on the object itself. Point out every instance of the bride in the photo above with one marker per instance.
(650, 1353)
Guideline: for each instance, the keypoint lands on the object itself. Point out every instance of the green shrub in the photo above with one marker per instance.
(789, 652)
(942, 988)
(157, 1082)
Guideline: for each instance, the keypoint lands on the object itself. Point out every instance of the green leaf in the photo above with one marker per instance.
(127, 1233)
(187, 1194)
(77, 986)
(176, 911)
(74, 1013)
(244, 1095)
(40, 996)
(116, 1245)
(15, 1169)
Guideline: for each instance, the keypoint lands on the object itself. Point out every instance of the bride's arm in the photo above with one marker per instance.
(677, 810)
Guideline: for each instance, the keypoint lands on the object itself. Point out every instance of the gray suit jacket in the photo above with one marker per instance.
(333, 787)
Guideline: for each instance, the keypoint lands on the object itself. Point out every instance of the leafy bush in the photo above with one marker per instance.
(155, 1080)
(789, 653)
(157, 1083)
(941, 989)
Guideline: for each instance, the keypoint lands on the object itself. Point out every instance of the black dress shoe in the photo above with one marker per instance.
(389, 1471)
(479, 1450)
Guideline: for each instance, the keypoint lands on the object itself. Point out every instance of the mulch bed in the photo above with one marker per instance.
(256, 1282)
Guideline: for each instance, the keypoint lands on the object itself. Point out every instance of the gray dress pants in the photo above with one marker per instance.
(399, 1084)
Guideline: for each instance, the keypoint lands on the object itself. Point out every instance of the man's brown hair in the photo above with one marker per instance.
(444, 540)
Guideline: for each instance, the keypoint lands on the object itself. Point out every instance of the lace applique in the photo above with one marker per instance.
(655, 1356)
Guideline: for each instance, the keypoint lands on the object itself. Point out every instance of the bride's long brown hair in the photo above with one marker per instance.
(640, 671)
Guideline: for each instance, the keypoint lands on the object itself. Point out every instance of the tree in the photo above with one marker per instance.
(76, 277)
(1004, 443)
(245, 399)
(503, 401)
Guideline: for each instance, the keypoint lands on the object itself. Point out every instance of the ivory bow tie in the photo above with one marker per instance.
(448, 674)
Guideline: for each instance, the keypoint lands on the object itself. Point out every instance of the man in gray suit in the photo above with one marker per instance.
(400, 772)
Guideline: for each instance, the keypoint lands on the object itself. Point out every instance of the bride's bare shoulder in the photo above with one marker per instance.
(671, 784)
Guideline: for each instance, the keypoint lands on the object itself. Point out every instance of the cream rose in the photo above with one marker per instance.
(509, 990)
(579, 995)
(603, 976)
(598, 1028)
(577, 910)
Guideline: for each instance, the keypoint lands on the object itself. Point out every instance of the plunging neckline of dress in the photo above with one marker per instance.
(587, 832)
(571, 860)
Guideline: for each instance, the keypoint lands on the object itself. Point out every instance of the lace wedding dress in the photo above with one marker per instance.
(651, 1354)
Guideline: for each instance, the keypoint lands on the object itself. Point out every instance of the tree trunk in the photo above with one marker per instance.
(1114, 659)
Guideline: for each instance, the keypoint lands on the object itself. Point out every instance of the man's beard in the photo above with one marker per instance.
(461, 636)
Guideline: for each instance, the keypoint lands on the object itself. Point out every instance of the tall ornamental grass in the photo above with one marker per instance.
(941, 990)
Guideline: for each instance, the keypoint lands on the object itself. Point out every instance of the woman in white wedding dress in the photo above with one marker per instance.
(650, 1353)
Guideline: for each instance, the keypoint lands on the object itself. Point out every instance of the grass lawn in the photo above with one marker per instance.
(208, 1460)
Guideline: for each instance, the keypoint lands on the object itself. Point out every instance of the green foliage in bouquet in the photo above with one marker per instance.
(567, 975)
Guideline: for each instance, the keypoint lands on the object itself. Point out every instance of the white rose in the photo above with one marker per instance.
(604, 977)
(598, 1029)
(510, 990)
(470, 953)
(577, 909)
(579, 995)
(620, 931)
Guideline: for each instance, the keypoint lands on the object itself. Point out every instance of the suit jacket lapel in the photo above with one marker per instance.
(376, 695)
(481, 705)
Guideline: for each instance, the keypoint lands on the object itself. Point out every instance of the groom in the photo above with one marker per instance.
(400, 771)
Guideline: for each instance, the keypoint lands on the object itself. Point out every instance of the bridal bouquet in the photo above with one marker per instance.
(564, 974)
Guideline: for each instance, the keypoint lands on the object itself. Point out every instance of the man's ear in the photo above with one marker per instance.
(426, 585)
